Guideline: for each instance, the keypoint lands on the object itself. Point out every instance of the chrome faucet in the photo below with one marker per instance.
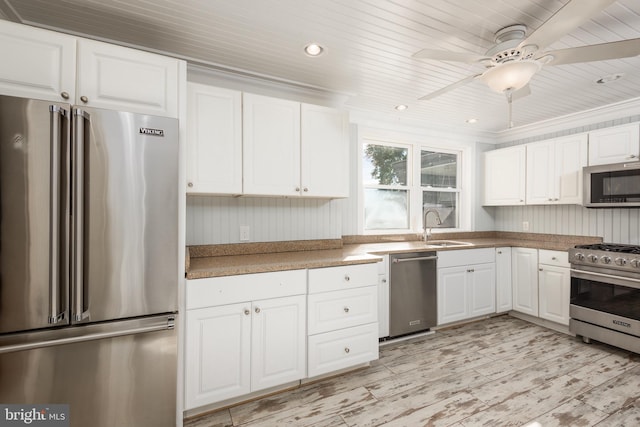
(427, 231)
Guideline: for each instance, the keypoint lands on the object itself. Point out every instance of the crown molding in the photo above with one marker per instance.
(609, 112)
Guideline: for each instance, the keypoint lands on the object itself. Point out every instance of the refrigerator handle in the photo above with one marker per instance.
(80, 297)
(57, 308)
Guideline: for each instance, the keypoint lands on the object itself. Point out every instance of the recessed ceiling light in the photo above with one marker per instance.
(313, 49)
(610, 78)
(471, 121)
(401, 107)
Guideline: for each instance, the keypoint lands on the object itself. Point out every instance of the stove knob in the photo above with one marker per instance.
(605, 260)
(635, 263)
(621, 261)
(592, 258)
(579, 256)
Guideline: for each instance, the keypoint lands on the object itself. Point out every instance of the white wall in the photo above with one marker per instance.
(613, 225)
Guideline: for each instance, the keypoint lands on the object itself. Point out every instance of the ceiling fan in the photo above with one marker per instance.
(515, 59)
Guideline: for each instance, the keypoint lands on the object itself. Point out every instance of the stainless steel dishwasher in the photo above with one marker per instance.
(412, 292)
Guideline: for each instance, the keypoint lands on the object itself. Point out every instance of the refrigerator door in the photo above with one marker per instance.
(125, 215)
(111, 374)
(33, 263)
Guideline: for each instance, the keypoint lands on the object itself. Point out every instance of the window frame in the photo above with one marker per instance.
(414, 184)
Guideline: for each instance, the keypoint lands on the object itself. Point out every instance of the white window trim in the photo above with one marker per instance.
(415, 197)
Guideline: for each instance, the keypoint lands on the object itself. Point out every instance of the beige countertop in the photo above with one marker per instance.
(234, 259)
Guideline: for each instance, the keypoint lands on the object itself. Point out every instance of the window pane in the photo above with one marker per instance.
(383, 165)
(438, 169)
(445, 203)
(386, 209)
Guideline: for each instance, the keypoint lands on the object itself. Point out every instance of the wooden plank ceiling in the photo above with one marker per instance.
(368, 44)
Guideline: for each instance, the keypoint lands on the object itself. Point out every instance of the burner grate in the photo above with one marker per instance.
(612, 247)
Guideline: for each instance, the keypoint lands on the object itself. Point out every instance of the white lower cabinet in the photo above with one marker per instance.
(343, 317)
(554, 284)
(242, 347)
(383, 297)
(466, 284)
(524, 266)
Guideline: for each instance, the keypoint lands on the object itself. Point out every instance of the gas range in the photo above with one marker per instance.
(607, 255)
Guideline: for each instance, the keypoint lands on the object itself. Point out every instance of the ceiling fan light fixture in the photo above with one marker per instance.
(510, 75)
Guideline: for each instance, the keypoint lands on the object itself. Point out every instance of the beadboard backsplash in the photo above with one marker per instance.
(217, 220)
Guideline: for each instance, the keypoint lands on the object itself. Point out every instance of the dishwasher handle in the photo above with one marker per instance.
(425, 258)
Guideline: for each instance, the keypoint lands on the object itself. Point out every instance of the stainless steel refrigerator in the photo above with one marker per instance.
(88, 262)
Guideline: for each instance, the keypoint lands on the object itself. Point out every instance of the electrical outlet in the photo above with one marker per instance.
(244, 233)
(525, 225)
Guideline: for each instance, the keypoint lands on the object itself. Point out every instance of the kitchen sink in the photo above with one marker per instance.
(446, 243)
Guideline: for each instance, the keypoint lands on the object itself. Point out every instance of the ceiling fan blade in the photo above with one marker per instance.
(449, 88)
(521, 93)
(595, 52)
(443, 55)
(569, 17)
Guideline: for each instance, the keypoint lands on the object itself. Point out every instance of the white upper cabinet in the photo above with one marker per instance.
(505, 176)
(119, 78)
(554, 170)
(293, 149)
(617, 144)
(37, 63)
(214, 140)
(271, 146)
(324, 152)
(51, 66)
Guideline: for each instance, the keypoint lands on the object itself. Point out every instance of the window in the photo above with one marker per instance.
(396, 195)
(385, 173)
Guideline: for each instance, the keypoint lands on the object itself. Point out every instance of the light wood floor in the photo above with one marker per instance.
(497, 372)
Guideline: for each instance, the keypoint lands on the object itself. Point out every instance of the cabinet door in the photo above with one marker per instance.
(555, 284)
(504, 172)
(482, 289)
(271, 146)
(217, 354)
(525, 280)
(37, 63)
(124, 79)
(383, 305)
(324, 151)
(614, 145)
(453, 296)
(570, 158)
(504, 298)
(541, 173)
(278, 343)
(214, 140)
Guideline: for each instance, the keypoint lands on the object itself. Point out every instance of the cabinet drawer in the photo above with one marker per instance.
(343, 277)
(246, 287)
(329, 311)
(557, 258)
(458, 257)
(336, 350)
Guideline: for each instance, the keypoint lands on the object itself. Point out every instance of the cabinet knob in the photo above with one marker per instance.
(257, 309)
(305, 189)
(346, 309)
(84, 99)
(247, 312)
(499, 252)
(632, 156)
(384, 280)
(346, 350)
(346, 278)
(297, 189)
(554, 258)
(190, 185)
(65, 95)
(540, 269)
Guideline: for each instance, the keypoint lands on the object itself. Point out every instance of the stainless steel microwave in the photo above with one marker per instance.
(612, 186)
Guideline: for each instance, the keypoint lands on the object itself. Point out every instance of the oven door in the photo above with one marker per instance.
(607, 300)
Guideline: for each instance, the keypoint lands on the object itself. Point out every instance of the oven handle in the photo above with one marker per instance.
(615, 280)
